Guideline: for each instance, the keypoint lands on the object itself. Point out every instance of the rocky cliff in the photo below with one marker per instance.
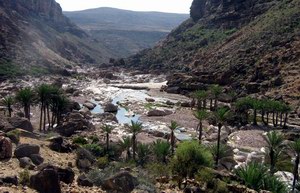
(35, 38)
(251, 46)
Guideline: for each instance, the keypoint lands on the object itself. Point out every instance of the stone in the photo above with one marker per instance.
(82, 180)
(10, 180)
(5, 148)
(240, 158)
(46, 180)
(25, 162)
(170, 103)
(58, 144)
(89, 105)
(84, 159)
(122, 182)
(110, 108)
(22, 123)
(103, 117)
(159, 113)
(5, 125)
(25, 150)
(150, 100)
(37, 159)
(66, 175)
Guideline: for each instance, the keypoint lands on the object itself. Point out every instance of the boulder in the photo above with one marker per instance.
(73, 123)
(58, 144)
(22, 123)
(26, 150)
(110, 108)
(46, 180)
(89, 105)
(84, 159)
(170, 103)
(10, 180)
(5, 125)
(104, 117)
(122, 182)
(25, 162)
(5, 148)
(159, 113)
(66, 175)
(82, 180)
(150, 100)
(37, 159)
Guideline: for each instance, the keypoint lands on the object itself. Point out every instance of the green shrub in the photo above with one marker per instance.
(24, 177)
(158, 169)
(205, 174)
(102, 162)
(95, 149)
(94, 139)
(257, 177)
(220, 186)
(190, 155)
(143, 151)
(161, 150)
(79, 140)
(14, 136)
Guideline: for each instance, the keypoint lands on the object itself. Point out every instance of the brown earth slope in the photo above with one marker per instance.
(252, 46)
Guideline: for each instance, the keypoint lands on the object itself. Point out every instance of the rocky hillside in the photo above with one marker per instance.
(126, 32)
(251, 46)
(35, 37)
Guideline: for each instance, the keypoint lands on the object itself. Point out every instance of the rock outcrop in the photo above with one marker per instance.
(5, 148)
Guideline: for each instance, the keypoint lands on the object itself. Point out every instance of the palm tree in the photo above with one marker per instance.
(58, 105)
(256, 105)
(173, 127)
(8, 102)
(143, 152)
(275, 147)
(221, 115)
(215, 91)
(25, 97)
(285, 109)
(125, 145)
(107, 129)
(242, 106)
(135, 128)
(295, 146)
(161, 150)
(200, 115)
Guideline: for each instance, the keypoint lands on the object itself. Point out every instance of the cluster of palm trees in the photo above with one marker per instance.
(50, 98)
(277, 151)
(266, 107)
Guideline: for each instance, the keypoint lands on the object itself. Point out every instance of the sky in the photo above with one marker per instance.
(170, 6)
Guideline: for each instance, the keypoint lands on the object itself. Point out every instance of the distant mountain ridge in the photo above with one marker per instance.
(126, 32)
(36, 38)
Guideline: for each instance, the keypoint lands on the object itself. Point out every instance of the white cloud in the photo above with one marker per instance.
(172, 6)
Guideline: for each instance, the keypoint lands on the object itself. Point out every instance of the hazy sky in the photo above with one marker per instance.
(172, 6)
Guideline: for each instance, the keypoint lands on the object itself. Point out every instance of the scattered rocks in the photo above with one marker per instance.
(72, 123)
(22, 123)
(5, 148)
(10, 180)
(122, 182)
(106, 117)
(159, 113)
(82, 180)
(110, 108)
(26, 150)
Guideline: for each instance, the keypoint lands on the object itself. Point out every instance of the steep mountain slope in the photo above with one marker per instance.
(251, 46)
(126, 32)
(35, 37)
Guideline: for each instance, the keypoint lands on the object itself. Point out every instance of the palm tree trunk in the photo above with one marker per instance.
(254, 117)
(276, 118)
(44, 126)
(204, 103)
(216, 103)
(218, 144)
(263, 117)
(267, 118)
(48, 116)
(41, 116)
(172, 142)
(285, 120)
(200, 131)
(210, 105)
(133, 146)
(272, 161)
(107, 142)
(281, 115)
(295, 172)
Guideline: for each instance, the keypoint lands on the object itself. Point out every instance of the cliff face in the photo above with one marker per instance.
(229, 13)
(35, 38)
(250, 46)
